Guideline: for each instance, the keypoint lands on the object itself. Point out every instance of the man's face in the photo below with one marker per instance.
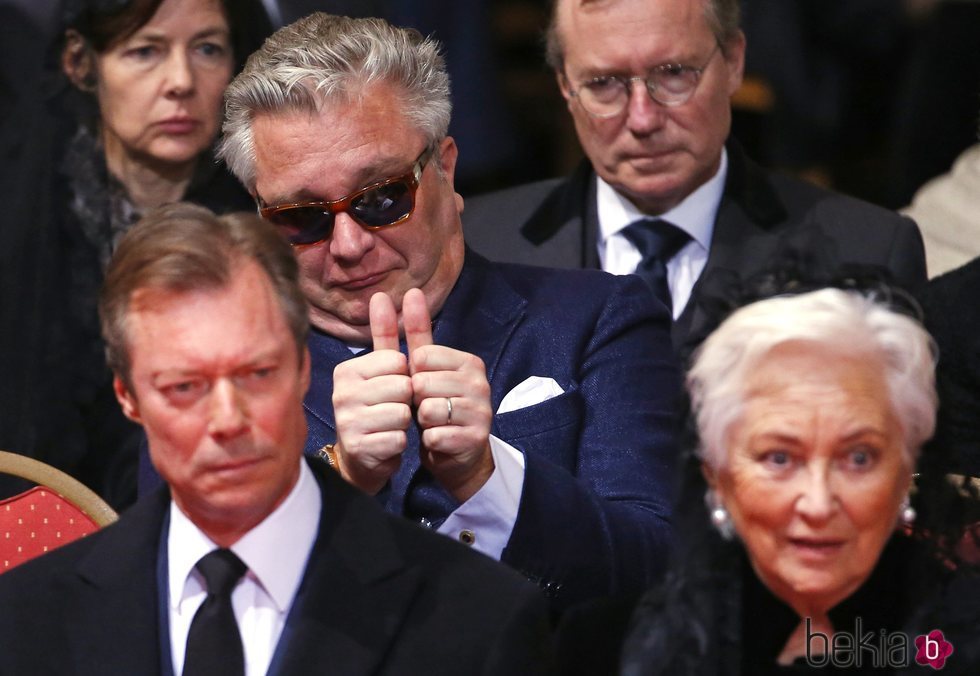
(348, 146)
(218, 385)
(652, 154)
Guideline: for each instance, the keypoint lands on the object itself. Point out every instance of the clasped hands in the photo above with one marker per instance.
(377, 395)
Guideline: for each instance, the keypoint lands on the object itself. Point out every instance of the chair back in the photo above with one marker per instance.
(53, 513)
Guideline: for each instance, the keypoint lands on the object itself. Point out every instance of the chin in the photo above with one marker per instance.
(179, 153)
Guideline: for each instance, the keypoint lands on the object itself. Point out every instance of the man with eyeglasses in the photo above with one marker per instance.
(664, 191)
(527, 413)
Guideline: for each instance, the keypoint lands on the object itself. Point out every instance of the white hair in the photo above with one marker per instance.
(322, 58)
(846, 322)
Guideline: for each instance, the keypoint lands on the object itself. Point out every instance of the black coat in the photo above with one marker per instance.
(380, 595)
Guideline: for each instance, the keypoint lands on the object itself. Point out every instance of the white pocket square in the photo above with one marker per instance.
(534, 390)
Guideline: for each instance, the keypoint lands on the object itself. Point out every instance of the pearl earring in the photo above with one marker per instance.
(907, 513)
(720, 518)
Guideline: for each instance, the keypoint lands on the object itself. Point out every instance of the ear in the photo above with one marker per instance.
(710, 476)
(448, 154)
(78, 61)
(734, 54)
(563, 85)
(128, 402)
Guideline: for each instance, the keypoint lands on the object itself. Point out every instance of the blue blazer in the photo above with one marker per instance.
(595, 510)
(379, 596)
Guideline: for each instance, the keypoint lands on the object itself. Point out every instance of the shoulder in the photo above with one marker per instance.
(827, 207)
(772, 197)
(943, 299)
(492, 205)
(954, 286)
(538, 222)
(574, 293)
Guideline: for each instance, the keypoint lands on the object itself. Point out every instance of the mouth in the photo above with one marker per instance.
(360, 283)
(235, 467)
(178, 125)
(817, 548)
(649, 157)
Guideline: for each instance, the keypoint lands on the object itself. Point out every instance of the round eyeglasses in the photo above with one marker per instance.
(669, 84)
(379, 205)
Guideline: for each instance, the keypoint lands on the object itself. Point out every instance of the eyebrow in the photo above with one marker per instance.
(372, 173)
(155, 36)
(791, 438)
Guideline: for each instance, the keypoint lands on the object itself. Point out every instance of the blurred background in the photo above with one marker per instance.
(869, 97)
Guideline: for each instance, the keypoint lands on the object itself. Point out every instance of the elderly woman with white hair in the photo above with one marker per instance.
(811, 411)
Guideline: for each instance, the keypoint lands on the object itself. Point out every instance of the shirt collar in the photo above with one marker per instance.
(275, 551)
(695, 215)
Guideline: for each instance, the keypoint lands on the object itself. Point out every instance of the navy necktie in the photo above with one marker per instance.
(214, 644)
(657, 241)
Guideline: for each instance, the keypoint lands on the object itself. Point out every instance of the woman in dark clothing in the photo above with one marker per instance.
(799, 546)
(126, 121)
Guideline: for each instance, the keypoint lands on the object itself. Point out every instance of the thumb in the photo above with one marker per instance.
(384, 322)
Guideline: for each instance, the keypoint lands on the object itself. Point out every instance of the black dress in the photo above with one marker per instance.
(714, 617)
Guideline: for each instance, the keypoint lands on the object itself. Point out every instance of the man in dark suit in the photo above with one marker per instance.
(206, 328)
(526, 412)
(648, 84)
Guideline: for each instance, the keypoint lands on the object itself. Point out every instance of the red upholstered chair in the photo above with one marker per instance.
(55, 512)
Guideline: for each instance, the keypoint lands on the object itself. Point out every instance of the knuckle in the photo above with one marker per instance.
(403, 417)
(474, 363)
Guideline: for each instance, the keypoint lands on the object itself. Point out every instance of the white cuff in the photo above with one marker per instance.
(486, 520)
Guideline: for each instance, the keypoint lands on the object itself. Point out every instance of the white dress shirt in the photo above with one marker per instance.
(695, 216)
(275, 551)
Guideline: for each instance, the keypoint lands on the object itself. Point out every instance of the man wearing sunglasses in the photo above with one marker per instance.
(525, 412)
(664, 192)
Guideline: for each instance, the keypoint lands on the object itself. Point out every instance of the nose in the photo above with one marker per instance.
(179, 74)
(817, 500)
(349, 241)
(229, 416)
(643, 114)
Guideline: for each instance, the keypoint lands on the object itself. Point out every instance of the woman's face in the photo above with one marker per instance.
(159, 91)
(815, 473)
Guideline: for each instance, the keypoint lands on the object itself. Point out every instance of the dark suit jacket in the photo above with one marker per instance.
(379, 596)
(947, 300)
(594, 513)
(555, 223)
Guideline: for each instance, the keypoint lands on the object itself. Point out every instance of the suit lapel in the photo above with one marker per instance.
(325, 353)
(480, 314)
(750, 208)
(355, 594)
(564, 210)
(118, 630)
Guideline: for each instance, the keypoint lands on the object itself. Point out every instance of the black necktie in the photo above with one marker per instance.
(657, 242)
(214, 645)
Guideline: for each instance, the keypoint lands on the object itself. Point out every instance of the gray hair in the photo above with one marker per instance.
(322, 58)
(723, 17)
(844, 321)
